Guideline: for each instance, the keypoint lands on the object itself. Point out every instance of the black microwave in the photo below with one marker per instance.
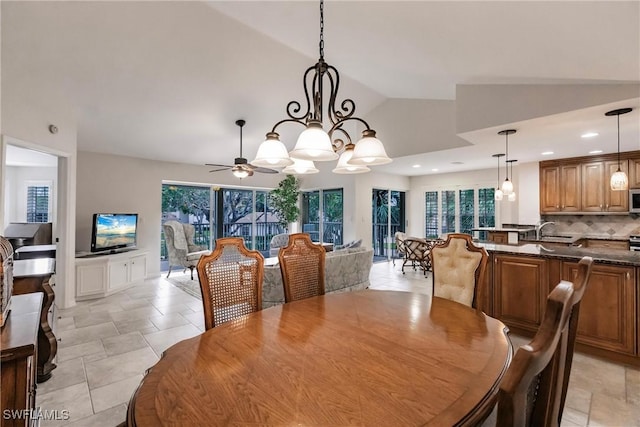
(634, 200)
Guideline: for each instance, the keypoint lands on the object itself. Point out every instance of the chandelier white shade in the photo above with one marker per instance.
(301, 167)
(315, 143)
(345, 166)
(272, 153)
(619, 180)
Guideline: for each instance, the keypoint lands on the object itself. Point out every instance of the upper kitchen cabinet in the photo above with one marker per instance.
(560, 187)
(581, 185)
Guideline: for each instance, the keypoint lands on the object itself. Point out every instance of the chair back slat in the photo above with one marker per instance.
(231, 281)
(302, 268)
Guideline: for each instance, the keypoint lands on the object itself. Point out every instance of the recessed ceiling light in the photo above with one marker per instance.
(435, 170)
(589, 134)
(415, 166)
(595, 151)
(547, 153)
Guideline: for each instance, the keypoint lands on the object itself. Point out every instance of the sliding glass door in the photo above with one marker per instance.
(323, 219)
(388, 217)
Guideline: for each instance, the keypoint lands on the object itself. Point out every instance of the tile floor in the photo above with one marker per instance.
(107, 344)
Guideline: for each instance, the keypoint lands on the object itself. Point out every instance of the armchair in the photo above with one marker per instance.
(278, 241)
(181, 249)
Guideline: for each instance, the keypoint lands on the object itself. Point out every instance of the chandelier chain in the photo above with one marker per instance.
(321, 29)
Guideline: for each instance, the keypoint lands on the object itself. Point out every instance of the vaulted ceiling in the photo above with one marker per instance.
(167, 80)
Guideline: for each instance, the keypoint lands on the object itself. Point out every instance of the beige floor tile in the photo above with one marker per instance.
(90, 319)
(114, 394)
(633, 385)
(63, 324)
(197, 319)
(66, 374)
(604, 377)
(83, 335)
(168, 321)
(575, 418)
(74, 398)
(84, 349)
(610, 411)
(162, 340)
(577, 398)
(124, 343)
(135, 314)
(134, 303)
(108, 418)
(119, 367)
(144, 326)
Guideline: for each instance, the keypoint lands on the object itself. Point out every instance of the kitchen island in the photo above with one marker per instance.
(519, 278)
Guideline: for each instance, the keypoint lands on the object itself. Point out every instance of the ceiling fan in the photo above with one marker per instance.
(241, 168)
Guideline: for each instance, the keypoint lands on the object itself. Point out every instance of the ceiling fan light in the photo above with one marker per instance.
(272, 153)
(314, 144)
(240, 173)
(498, 195)
(345, 167)
(369, 151)
(301, 167)
(619, 181)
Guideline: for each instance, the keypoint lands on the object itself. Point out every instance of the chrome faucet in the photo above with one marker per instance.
(539, 228)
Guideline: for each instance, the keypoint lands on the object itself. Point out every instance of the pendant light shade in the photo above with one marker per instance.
(512, 195)
(507, 186)
(272, 153)
(314, 144)
(344, 163)
(498, 195)
(369, 151)
(301, 167)
(619, 179)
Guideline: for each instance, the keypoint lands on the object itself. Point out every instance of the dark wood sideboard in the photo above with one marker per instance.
(34, 276)
(18, 356)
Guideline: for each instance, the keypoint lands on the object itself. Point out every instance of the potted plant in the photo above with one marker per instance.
(284, 201)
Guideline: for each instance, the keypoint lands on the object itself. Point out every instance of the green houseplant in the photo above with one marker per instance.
(284, 201)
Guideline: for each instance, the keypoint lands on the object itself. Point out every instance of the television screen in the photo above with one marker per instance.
(113, 231)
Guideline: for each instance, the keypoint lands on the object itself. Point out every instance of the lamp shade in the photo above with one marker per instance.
(272, 153)
(301, 167)
(512, 196)
(498, 195)
(369, 151)
(507, 187)
(314, 144)
(619, 181)
(345, 167)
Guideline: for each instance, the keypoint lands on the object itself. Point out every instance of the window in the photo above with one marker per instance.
(450, 211)
(388, 217)
(323, 219)
(37, 203)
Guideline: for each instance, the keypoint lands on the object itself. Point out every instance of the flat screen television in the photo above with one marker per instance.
(113, 231)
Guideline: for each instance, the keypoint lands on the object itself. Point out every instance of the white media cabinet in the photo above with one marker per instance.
(101, 275)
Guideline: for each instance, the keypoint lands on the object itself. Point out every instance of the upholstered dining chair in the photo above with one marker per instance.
(181, 249)
(458, 269)
(580, 283)
(529, 392)
(302, 268)
(230, 281)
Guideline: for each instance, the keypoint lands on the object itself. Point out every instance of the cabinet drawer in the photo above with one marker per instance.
(608, 244)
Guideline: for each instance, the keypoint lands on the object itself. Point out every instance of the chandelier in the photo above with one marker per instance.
(314, 143)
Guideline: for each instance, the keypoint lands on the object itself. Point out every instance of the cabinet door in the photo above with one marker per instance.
(118, 274)
(138, 268)
(570, 188)
(520, 290)
(550, 189)
(607, 312)
(90, 279)
(615, 201)
(593, 187)
(634, 173)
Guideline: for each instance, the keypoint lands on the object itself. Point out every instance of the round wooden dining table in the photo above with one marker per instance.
(367, 358)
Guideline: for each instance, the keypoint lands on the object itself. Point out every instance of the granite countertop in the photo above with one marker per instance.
(570, 252)
(571, 239)
(507, 229)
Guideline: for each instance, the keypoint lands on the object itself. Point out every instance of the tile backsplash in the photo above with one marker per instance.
(608, 226)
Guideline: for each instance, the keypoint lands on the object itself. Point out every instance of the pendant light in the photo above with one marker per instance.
(322, 107)
(512, 196)
(619, 179)
(507, 186)
(497, 195)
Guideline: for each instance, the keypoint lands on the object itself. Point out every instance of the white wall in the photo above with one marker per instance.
(16, 180)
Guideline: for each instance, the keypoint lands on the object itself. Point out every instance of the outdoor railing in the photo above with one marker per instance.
(383, 239)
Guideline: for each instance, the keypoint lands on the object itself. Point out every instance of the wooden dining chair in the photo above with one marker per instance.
(529, 392)
(230, 281)
(580, 283)
(302, 268)
(458, 268)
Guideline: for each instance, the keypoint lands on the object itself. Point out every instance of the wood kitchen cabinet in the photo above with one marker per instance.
(607, 312)
(498, 237)
(520, 286)
(597, 195)
(634, 172)
(615, 201)
(560, 188)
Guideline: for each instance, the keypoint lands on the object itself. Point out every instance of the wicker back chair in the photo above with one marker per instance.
(458, 269)
(230, 281)
(302, 268)
(530, 390)
(579, 286)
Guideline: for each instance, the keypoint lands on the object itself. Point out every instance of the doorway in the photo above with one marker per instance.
(388, 216)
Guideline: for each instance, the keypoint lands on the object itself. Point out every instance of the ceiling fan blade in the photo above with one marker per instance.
(219, 167)
(263, 170)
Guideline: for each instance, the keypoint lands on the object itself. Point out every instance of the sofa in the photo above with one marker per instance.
(345, 270)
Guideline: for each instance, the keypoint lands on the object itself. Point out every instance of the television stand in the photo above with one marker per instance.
(99, 275)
